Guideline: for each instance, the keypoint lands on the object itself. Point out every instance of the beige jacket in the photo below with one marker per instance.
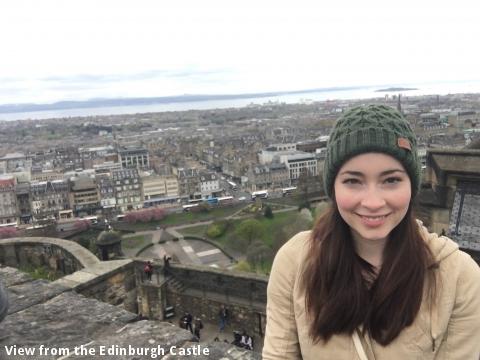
(450, 330)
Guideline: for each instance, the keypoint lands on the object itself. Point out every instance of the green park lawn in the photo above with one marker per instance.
(269, 226)
(136, 241)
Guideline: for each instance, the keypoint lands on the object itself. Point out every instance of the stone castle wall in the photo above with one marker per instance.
(201, 291)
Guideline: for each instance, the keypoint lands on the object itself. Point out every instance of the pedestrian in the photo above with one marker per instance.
(370, 281)
(223, 315)
(148, 270)
(166, 264)
(187, 321)
(197, 326)
(3, 302)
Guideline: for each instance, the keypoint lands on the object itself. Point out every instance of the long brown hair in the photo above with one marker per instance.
(342, 291)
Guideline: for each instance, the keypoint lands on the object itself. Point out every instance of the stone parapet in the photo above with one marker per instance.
(59, 255)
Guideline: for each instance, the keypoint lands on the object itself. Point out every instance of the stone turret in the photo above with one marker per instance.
(109, 245)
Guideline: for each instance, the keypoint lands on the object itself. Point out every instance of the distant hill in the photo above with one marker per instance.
(93, 103)
(391, 89)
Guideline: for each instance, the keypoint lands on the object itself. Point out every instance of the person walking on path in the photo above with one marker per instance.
(187, 321)
(197, 326)
(224, 317)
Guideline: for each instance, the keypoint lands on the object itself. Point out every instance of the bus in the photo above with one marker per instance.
(212, 200)
(195, 201)
(9, 225)
(288, 190)
(262, 194)
(233, 186)
(92, 219)
(187, 208)
(161, 201)
(225, 200)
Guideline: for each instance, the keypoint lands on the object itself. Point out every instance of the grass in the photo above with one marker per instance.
(41, 272)
(269, 225)
(198, 230)
(136, 241)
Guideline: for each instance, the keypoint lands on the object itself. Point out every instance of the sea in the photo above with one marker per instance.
(367, 92)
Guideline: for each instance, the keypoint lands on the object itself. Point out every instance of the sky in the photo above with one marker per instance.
(54, 50)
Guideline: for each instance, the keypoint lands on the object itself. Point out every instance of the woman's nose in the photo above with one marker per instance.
(373, 199)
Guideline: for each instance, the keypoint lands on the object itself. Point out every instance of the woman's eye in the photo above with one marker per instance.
(351, 181)
(393, 180)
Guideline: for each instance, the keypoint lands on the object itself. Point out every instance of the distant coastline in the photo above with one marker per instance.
(390, 89)
(99, 103)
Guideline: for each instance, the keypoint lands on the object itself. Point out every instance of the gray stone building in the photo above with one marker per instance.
(209, 184)
(137, 158)
(128, 189)
(84, 195)
(22, 191)
(271, 176)
(189, 183)
(106, 190)
(49, 197)
(8, 200)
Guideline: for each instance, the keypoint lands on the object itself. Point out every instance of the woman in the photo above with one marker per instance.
(370, 282)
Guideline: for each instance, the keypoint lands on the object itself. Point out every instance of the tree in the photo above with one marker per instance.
(320, 209)
(130, 217)
(82, 225)
(258, 253)
(250, 230)
(217, 228)
(281, 235)
(268, 212)
(145, 216)
(158, 214)
(8, 232)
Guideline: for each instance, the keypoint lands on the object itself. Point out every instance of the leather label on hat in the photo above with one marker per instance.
(404, 144)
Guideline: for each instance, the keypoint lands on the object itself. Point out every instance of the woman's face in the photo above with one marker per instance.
(373, 193)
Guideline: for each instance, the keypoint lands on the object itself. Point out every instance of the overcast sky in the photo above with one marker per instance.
(79, 49)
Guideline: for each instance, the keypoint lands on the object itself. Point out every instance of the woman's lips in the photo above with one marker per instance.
(373, 220)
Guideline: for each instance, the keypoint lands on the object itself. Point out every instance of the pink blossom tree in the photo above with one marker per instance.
(8, 232)
(81, 225)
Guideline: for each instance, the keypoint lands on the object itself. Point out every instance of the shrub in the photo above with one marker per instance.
(244, 266)
(304, 205)
(217, 229)
(268, 212)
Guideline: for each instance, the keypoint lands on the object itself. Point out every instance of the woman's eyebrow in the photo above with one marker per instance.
(359, 173)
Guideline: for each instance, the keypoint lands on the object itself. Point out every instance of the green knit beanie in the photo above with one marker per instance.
(373, 128)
